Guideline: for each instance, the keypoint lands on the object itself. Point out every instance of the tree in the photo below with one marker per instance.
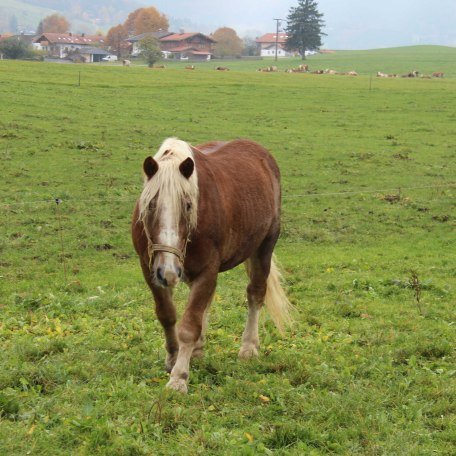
(304, 27)
(116, 39)
(150, 49)
(55, 23)
(12, 48)
(250, 46)
(145, 20)
(227, 42)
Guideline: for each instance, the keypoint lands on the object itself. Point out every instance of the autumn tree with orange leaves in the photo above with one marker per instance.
(55, 23)
(228, 43)
(116, 39)
(145, 20)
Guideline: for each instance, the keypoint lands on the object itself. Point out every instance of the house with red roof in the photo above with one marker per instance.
(135, 40)
(183, 46)
(268, 43)
(61, 45)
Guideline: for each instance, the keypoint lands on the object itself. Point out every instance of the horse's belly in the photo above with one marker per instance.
(239, 247)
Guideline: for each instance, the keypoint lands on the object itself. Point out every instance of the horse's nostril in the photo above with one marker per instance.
(179, 272)
(160, 276)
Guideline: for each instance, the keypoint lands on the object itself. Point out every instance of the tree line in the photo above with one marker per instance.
(304, 31)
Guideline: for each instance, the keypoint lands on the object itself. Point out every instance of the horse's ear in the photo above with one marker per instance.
(150, 167)
(186, 167)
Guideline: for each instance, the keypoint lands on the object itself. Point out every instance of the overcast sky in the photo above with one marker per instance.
(350, 24)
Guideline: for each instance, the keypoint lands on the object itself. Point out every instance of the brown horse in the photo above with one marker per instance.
(204, 210)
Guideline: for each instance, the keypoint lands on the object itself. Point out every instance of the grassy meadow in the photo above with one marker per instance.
(367, 248)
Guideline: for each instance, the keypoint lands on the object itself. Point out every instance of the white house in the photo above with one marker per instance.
(268, 42)
(61, 44)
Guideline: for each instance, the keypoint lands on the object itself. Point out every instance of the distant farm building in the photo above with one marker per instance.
(134, 40)
(180, 46)
(60, 45)
(268, 43)
(184, 46)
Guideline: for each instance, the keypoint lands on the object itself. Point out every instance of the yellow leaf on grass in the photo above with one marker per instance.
(249, 437)
(264, 399)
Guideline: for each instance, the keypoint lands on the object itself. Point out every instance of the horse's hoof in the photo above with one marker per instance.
(177, 384)
(248, 352)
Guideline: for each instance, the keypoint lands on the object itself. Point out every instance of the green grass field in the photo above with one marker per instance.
(367, 246)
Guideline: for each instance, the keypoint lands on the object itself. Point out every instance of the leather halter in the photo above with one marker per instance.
(151, 248)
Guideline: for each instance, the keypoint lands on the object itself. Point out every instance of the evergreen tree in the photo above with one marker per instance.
(304, 27)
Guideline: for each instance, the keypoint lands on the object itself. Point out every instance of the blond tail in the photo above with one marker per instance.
(279, 307)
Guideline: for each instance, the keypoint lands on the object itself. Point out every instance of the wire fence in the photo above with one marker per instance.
(398, 188)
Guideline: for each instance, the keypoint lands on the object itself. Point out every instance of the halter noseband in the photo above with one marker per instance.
(151, 248)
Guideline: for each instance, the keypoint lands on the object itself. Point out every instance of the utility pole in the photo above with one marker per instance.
(277, 36)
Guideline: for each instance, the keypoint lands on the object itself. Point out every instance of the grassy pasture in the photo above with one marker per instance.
(425, 59)
(367, 248)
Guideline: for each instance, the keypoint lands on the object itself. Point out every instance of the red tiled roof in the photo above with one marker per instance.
(184, 36)
(5, 36)
(70, 38)
(271, 38)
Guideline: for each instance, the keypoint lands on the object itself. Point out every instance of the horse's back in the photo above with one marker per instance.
(240, 156)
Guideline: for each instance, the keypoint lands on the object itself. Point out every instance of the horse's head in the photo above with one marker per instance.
(168, 206)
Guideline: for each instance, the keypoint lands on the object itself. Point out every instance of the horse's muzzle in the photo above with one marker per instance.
(168, 276)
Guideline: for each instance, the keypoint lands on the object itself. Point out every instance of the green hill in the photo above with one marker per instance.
(84, 15)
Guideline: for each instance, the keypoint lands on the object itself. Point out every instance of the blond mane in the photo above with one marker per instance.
(168, 185)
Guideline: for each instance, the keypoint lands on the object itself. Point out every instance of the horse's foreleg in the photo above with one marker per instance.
(198, 351)
(166, 314)
(190, 330)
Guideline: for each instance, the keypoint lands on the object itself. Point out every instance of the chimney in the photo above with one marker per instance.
(83, 34)
(181, 31)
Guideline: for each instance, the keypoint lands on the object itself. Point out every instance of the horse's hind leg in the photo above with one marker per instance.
(258, 267)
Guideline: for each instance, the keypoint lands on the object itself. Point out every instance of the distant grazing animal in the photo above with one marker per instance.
(205, 210)
(190, 67)
(350, 73)
(299, 69)
(437, 74)
(318, 72)
(219, 68)
(412, 74)
(270, 69)
(327, 71)
(126, 63)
